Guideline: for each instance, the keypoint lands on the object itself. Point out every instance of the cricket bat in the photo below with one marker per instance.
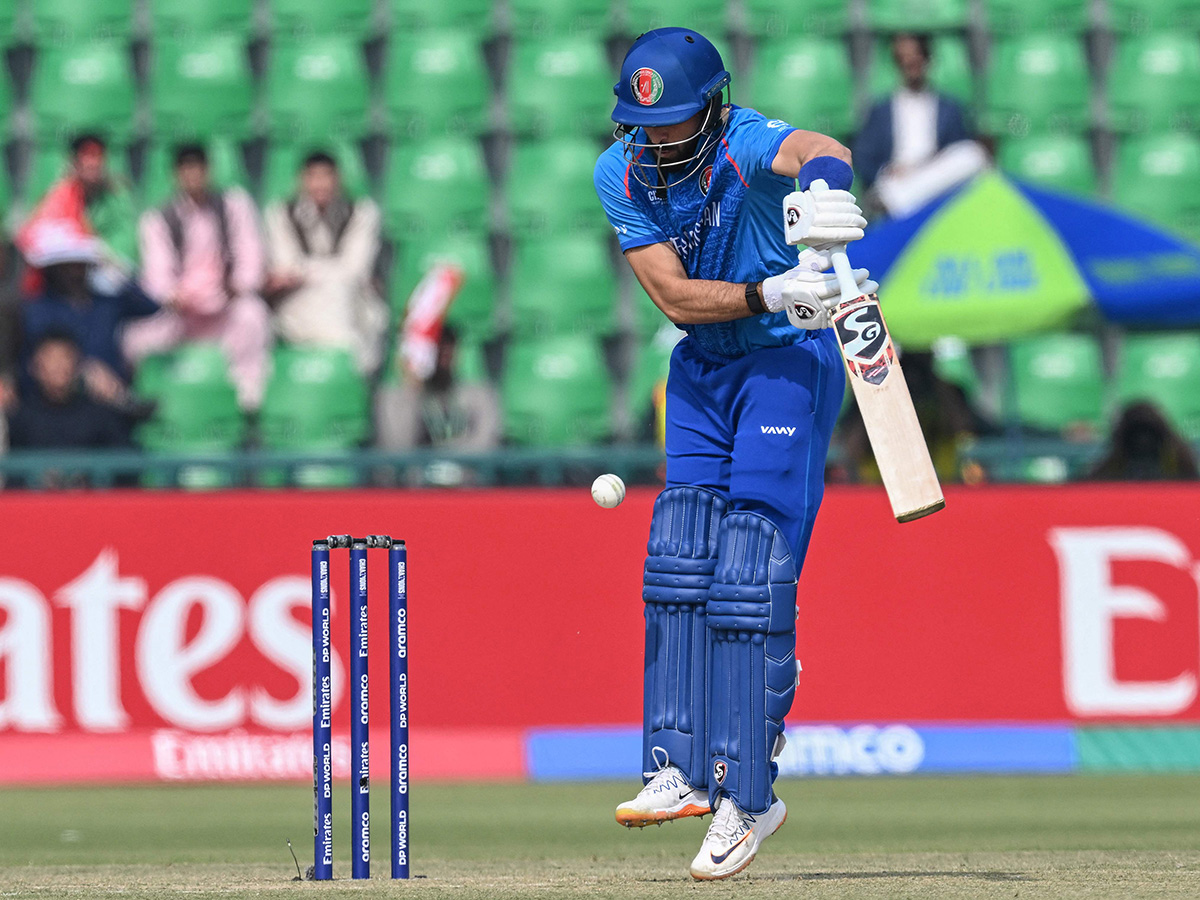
(880, 391)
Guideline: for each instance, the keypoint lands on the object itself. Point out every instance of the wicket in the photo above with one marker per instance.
(360, 767)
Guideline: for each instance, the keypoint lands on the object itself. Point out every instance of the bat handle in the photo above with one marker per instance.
(845, 274)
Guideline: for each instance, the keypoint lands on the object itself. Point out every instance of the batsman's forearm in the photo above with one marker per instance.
(689, 301)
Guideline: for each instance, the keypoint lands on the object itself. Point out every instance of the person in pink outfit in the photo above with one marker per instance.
(203, 261)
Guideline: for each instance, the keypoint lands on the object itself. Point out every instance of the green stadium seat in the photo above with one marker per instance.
(281, 168)
(291, 18)
(560, 86)
(86, 86)
(705, 16)
(1013, 17)
(1154, 83)
(927, 15)
(1057, 382)
(8, 24)
(563, 285)
(547, 18)
(196, 405)
(435, 82)
(556, 392)
(435, 186)
(1165, 369)
(1138, 16)
(201, 86)
(647, 318)
(315, 401)
(550, 190)
(950, 69)
(1037, 83)
(414, 16)
(650, 367)
(185, 19)
(7, 104)
(317, 88)
(805, 81)
(1157, 177)
(225, 165)
(471, 312)
(1060, 161)
(57, 22)
(770, 18)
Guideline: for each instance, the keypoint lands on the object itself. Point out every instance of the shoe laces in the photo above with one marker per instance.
(668, 778)
(729, 822)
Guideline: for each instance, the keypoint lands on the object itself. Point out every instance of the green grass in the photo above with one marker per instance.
(1052, 837)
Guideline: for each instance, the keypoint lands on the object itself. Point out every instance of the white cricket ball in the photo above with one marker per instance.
(608, 491)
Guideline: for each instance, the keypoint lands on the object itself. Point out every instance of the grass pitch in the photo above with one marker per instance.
(1050, 837)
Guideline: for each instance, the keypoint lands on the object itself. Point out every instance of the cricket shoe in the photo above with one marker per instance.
(733, 838)
(666, 796)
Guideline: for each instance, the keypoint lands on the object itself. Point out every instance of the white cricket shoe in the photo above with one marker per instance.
(733, 839)
(667, 796)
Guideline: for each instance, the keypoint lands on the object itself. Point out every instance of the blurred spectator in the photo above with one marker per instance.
(947, 421)
(439, 411)
(202, 260)
(78, 298)
(322, 246)
(57, 413)
(91, 196)
(916, 143)
(1144, 447)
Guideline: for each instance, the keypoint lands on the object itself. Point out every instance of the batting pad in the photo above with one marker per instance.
(682, 556)
(752, 658)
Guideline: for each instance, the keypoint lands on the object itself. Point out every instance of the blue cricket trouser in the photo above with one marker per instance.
(756, 429)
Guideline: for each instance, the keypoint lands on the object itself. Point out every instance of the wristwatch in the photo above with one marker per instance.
(753, 300)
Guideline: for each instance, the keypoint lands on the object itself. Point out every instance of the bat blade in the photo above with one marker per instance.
(887, 408)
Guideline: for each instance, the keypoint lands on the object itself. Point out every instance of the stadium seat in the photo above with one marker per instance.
(8, 25)
(563, 285)
(806, 82)
(769, 18)
(315, 401)
(1165, 369)
(1154, 83)
(705, 16)
(435, 186)
(1037, 83)
(57, 22)
(281, 167)
(290, 18)
(85, 86)
(549, 188)
(201, 86)
(1060, 161)
(414, 16)
(186, 19)
(928, 15)
(560, 86)
(317, 87)
(647, 318)
(1138, 16)
(226, 169)
(7, 104)
(1012, 17)
(471, 312)
(1157, 177)
(556, 392)
(435, 82)
(1057, 382)
(650, 367)
(196, 407)
(550, 18)
(950, 69)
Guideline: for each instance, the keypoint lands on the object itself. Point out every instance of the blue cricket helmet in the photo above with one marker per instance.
(669, 75)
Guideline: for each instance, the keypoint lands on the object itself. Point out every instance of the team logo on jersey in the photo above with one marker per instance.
(705, 180)
(647, 86)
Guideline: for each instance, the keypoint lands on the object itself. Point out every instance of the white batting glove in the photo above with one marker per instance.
(806, 293)
(821, 218)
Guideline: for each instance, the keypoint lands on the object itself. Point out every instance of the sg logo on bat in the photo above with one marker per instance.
(865, 340)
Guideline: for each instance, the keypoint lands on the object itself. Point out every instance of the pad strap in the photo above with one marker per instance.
(751, 616)
(681, 560)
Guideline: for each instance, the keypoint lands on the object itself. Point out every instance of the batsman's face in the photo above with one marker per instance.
(675, 137)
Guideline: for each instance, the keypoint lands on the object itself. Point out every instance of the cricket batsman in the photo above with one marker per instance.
(694, 187)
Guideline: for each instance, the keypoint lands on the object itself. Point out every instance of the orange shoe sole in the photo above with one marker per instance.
(631, 818)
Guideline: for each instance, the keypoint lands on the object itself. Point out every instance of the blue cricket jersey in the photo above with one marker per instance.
(724, 221)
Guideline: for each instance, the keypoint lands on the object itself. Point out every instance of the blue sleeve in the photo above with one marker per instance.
(135, 303)
(753, 141)
(613, 183)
